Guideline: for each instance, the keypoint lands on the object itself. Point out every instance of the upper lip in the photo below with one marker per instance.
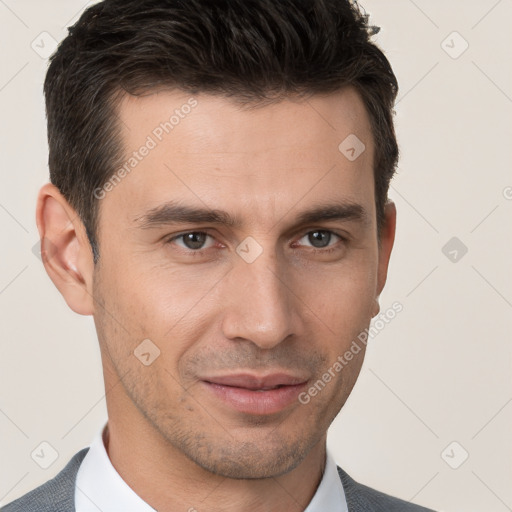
(250, 381)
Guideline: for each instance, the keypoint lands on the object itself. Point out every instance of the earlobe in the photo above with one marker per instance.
(376, 307)
(65, 249)
(387, 240)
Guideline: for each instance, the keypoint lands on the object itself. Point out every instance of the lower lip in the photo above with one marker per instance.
(256, 402)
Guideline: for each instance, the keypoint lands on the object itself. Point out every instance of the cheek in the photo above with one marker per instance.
(167, 306)
(142, 296)
(342, 298)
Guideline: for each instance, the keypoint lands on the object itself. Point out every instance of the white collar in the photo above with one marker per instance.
(329, 495)
(99, 487)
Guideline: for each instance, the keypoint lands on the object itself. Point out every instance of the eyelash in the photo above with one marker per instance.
(200, 252)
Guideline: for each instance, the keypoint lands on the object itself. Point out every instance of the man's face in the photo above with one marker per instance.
(246, 315)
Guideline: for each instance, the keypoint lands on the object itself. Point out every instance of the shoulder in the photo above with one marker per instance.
(362, 498)
(56, 495)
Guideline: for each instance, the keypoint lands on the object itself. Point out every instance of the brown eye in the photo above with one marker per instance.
(193, 240)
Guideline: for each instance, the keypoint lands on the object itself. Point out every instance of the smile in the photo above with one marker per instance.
(256, 395)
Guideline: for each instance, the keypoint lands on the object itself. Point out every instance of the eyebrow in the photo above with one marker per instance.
(176, 213)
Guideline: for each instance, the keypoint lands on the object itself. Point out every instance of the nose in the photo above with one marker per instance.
(260, 304)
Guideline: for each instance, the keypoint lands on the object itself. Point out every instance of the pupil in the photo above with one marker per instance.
(194, 240)
(319, 238)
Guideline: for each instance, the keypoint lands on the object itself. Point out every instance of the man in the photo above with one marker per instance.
(218, 203)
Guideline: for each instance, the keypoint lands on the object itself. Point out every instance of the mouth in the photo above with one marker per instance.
(256, 395)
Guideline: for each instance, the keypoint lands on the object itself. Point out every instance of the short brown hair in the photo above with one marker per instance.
(248, 50)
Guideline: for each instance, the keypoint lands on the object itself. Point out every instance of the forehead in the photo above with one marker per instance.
(208, 149)
(215, 119)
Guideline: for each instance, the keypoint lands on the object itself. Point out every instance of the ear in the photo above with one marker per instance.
(387, 240)
(65, 249)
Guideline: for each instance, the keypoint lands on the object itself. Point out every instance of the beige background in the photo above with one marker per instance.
(439, 372)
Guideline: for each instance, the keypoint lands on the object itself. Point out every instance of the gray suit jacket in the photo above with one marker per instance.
(57, 495)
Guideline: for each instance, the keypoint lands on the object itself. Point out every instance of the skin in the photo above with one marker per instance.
(292, 309)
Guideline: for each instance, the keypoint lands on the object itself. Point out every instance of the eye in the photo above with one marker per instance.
(319, 238)
(192, 240)
(195, 242)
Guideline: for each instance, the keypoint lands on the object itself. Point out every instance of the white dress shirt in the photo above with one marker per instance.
(100, 488)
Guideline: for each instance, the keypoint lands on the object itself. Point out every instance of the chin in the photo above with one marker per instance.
(246, 460)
